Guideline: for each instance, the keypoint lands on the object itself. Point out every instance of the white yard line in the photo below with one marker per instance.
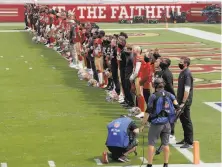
(13, 31)
(98, 162)
(132, 29)
(51, 163)
(212, 104)
(198, 33)
(4, 164)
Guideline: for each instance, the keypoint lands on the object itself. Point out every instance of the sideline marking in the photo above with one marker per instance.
(51, 163)
(13, 31)
(185, 152)
(198, 34)
(98, 162)
(214, 105)
(178, 165)
(144, 160)
(4, 164)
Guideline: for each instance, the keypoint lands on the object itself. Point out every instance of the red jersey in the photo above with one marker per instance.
(41, 18)
(47, 19)
(142, 67)
(97, 47)
(64, 24)
(78, 34)
(148, 76)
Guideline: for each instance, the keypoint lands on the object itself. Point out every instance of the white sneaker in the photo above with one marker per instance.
(77, 67)
(172, 137)
(141, 115)
(71, 65)
(121, 99)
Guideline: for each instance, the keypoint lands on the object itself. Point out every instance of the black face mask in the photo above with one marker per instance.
(181, 66)
(163, 66)
(146, 59)
(120, 46)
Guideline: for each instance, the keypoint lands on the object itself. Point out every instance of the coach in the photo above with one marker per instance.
(184, 97)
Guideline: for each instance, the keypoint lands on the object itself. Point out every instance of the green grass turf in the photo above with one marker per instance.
(48, 114)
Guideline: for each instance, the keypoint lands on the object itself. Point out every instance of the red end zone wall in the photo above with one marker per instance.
(111, 13)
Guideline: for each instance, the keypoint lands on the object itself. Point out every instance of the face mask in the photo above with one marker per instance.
(181, 66)
(146, 59)
(163, 65)
(120, 46)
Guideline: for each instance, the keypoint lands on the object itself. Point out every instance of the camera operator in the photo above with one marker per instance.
(128, 71)
(160, 113)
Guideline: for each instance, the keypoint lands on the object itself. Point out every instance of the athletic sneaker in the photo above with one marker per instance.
(181, 142)
(172, 137)
(123, 159)
(71, 65)
(105, 159)
(141, 115)
(186, 145)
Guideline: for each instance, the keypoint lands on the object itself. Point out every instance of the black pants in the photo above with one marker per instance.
(114, 70)
(92, 63)
(117, 152)
(187, 125)
(146, 95)
(88, 64)
(127, 92)
(122, 77)
(26, 21)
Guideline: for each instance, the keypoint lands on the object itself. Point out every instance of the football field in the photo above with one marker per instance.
(48, 117)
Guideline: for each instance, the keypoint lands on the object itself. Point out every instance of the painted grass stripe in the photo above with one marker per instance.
(144, 160)
(51, 163)
(98, 162)
(3, 164)
(216, 107)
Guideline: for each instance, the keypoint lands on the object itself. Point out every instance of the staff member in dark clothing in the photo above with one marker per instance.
(26, 17)
(184, 97)
(168, 79)
(114, 66)
(128, 71)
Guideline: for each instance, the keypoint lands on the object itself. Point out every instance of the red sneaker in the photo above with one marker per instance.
(105, 159)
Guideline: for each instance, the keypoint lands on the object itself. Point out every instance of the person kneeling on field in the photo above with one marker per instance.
(121, 139)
